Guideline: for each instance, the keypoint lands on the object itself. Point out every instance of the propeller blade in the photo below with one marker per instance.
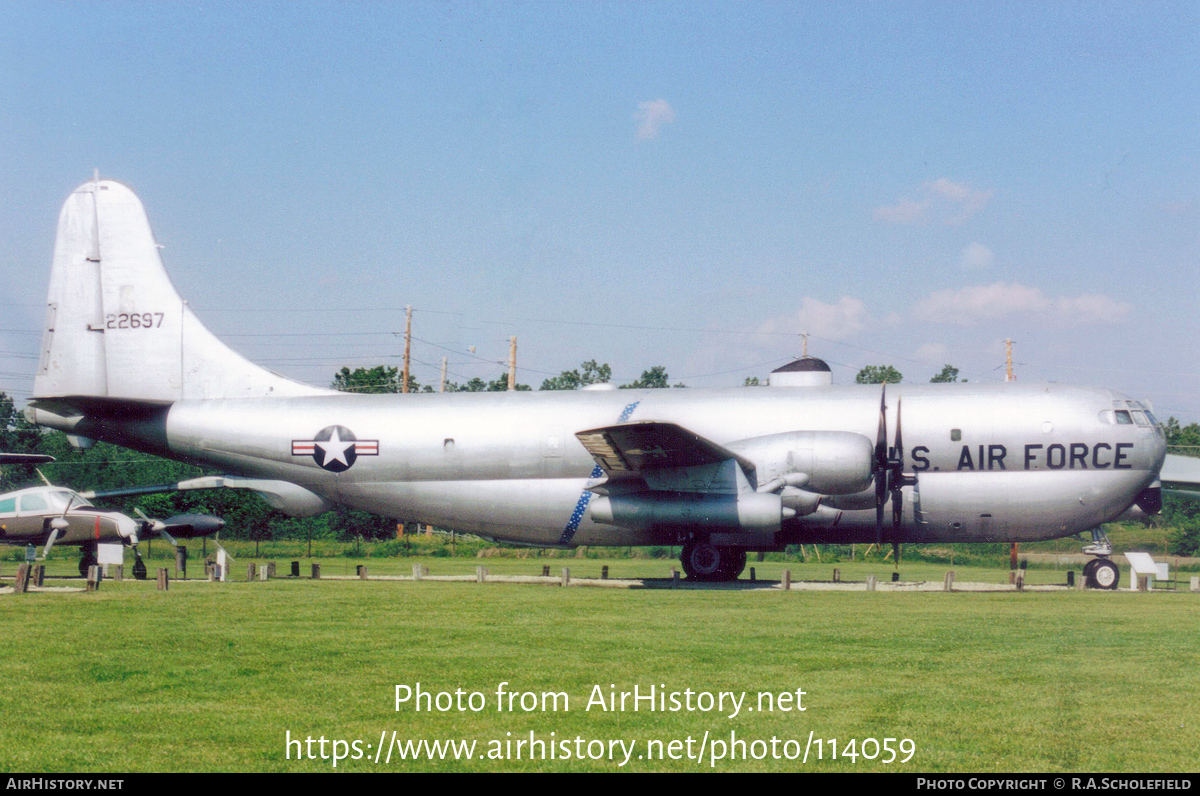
(50, 542)
(881, 435)
(897, 475)
(881, 466)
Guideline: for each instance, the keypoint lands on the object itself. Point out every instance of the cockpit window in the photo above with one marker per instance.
(62, 499)
(33, 502)
(1123, 418)
(1140, 418)
(1153, 419)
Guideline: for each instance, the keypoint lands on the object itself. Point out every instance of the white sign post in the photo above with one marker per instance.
(110, 554)
(1141, 564)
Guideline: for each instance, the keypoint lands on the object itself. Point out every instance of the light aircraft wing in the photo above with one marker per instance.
(25, 458)
(1181, 475)
(292, 499)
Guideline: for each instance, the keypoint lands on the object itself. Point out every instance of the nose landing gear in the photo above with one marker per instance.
(1100, 572)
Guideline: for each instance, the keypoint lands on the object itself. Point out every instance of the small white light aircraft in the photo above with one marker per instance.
(49, 515)
(718, 471)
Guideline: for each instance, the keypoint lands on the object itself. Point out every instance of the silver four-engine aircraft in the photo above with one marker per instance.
(718, 471)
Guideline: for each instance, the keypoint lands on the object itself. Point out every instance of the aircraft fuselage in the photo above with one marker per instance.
(1007, 462)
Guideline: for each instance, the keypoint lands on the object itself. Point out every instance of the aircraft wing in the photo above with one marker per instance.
(24, 458)
(1181, 475)
(652, 445)
(662, 456)
(292, 499)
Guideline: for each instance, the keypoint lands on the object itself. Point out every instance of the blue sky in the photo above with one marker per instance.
(690, 185)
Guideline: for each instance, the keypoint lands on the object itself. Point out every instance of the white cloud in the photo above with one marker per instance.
(941, 199)
(1091, 308)
(651, 116)
(835, 321)
(976, 256)
(972, 305)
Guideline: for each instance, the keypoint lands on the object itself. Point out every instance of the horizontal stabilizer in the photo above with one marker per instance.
(1181, 475)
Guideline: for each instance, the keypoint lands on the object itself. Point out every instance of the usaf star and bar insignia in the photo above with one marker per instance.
(335, 448)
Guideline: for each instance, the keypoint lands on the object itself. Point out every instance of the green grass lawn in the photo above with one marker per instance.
(211, 676)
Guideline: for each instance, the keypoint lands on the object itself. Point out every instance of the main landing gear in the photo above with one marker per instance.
(1100, 572)
(703, 561)
(87, 559)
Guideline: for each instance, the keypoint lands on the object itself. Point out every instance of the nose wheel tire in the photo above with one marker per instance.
(139, 568)
(707, 562)
(1100, 573)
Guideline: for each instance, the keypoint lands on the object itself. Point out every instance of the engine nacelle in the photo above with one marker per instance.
(752, 512)
(836, 462)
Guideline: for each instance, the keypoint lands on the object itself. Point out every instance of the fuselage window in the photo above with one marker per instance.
(8, 506)
(955, 434)
(1123, 418)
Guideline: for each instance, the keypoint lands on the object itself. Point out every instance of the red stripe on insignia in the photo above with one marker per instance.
(369, 448)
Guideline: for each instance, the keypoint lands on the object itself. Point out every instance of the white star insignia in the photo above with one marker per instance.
(335, 449)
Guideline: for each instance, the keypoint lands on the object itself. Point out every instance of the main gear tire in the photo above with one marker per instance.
(736, 563)
(701, 561)
(1089, 569)
(1105, 575)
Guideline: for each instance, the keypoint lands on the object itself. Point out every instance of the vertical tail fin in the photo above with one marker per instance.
(115, 325)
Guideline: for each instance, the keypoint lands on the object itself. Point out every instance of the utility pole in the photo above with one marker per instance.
(443, 375)
(805, 336)
(407, 345)
(1008, 374)
(512, 363)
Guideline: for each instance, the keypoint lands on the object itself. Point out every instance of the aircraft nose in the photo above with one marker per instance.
(126, 526)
